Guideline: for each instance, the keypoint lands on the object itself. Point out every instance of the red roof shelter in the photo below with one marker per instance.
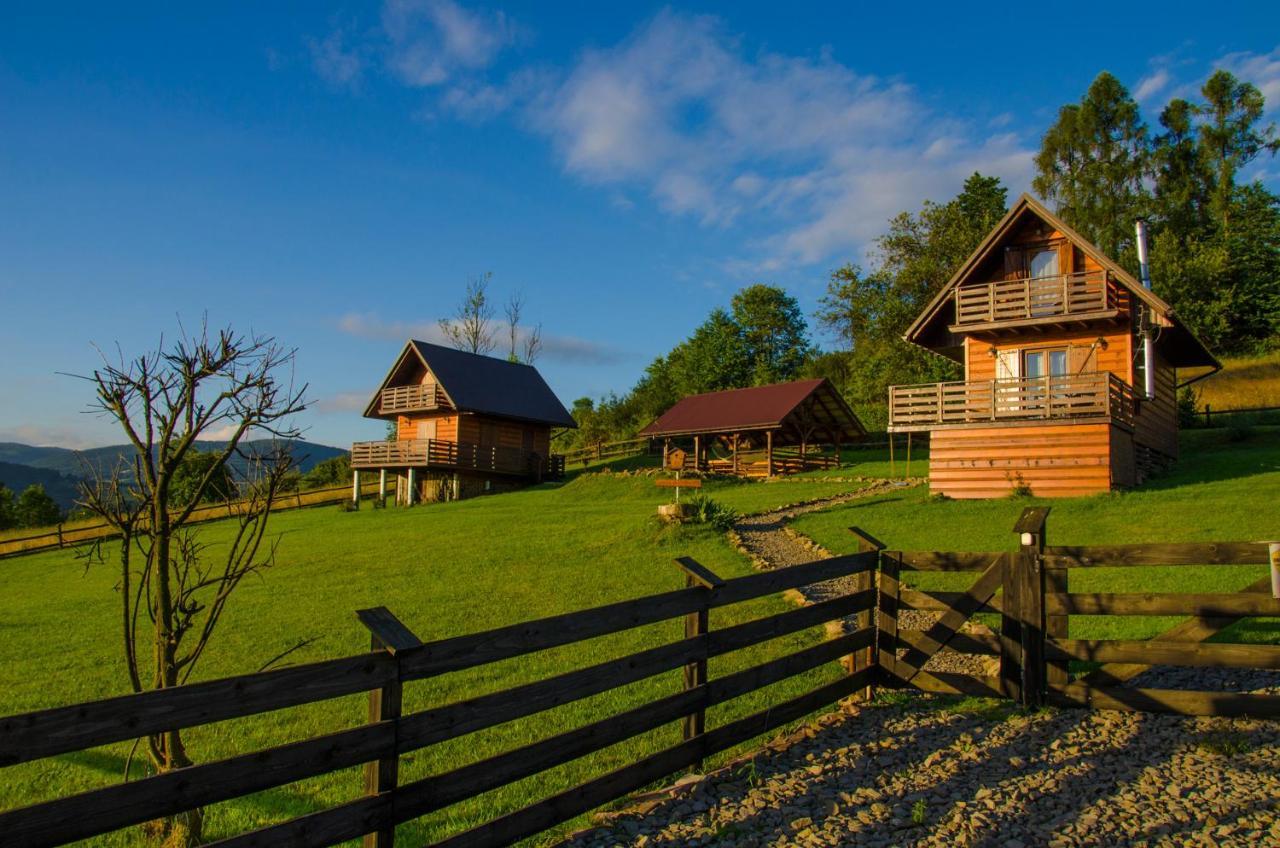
(763, 430)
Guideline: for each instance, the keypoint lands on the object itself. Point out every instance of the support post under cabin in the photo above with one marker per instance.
(355, 487)
(408, 492)
(382, 483)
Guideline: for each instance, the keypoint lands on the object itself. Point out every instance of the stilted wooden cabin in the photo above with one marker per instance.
(1052, 335)
(465, 425)
(762, 431)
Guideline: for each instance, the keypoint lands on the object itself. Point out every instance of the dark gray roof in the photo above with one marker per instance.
(492, 386)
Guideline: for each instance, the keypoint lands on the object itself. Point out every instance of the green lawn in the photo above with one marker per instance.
(1221, 490)
(444, 570)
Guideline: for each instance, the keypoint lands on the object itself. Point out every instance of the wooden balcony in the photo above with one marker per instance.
(401, 399)
(1090, 295)
(1099, 395)
(434, 453)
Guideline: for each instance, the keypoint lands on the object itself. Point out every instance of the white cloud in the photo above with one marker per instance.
(1150, 86)
(44, 436)
(430, 41)
(568, 349)
(334, 61)
(342, 402)
(805, 145)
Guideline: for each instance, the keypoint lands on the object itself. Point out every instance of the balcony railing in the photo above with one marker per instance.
(421, 453)
(933, 405)
(1013, 301)
(413, 399)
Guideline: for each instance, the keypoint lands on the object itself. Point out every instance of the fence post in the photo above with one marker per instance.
(59, 536)
(887, 613)
(862, 582)
(1056, 581)
(388, 634)
(1026, 623)
(697, 576)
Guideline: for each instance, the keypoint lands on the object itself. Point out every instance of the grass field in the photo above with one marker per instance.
(1245, 383)
(1221, 490)
(444, 570)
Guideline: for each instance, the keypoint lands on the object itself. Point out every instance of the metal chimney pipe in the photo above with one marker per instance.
(1148, 343)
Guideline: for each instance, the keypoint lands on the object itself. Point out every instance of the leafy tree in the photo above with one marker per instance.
(1230, 137)
(188, 484)
(1092, 163)
(1183, 182)
(773, 328)
(7, 517)
(869, 312)
(717, 356)
(328, 473)
(35, 508)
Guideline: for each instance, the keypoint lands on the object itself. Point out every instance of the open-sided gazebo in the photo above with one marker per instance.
(760, 431)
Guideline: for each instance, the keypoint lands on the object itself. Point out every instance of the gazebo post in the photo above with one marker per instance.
(768, 452)
(666, 447)
(735, 453)
(697, 453)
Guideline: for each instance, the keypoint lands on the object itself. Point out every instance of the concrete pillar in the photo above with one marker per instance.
(408, 495)
(355, 487)
(382, 482)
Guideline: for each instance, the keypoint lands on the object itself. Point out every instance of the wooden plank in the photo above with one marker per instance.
(591, 794)
(1163, 603)
(103, 810)
(939, 601)
(699, 573)
(516, 640)
(952, 683)
(1056, 623)
(678, 484)
(439, 791)
(1192, 630)
(45, 733)
(326, 827)
(388, 631)
(946, 560)
(1176, 701)
(937, 636)
(887, 612)
(980, 644)
(1010, 629)
(1161, 652)
(1178, 553)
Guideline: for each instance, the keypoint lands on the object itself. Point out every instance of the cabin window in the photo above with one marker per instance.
(1044, 363)
(1044, 263)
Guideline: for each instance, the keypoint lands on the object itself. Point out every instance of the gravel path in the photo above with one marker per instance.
(912, 774)
(772, 544)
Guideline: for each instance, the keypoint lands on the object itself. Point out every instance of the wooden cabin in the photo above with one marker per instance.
(1051, 335)
(465, 425)
(761, 431)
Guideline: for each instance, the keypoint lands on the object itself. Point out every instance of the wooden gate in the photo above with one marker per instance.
(1032, 651)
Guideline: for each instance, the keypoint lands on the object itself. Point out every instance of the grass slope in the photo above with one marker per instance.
(1245, 383)
(444, 570)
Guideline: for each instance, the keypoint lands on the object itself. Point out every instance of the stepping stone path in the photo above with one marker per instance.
(911, 769)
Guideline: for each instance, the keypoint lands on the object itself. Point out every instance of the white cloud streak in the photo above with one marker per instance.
(430, 41)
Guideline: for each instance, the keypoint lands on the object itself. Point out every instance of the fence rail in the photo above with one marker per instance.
(1054, 397)
(608, 450)
(65, 535)
(1057, 296)
(388, 735)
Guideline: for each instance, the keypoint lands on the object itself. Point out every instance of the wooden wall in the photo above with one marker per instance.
(1156, 423)
(1054, 460)
(1084, 353)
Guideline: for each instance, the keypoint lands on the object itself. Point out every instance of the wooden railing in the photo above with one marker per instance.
(1029, 589)
(406, 453)
(400, 658)
(932, 405)
(1017, 300)
(608, 450)
(413, 399)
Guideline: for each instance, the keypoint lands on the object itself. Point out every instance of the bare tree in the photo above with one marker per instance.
(512, 310)
(532, 344)
(173, 589)
(471, 328)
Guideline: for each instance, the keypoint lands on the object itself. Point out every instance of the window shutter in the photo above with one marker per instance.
(1008, 365)
(1081, 359)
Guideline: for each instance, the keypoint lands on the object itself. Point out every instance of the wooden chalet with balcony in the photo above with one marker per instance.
(1051, 335)
(465, 425)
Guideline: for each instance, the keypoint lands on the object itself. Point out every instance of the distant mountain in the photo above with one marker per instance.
(63, 467)
(61, 487)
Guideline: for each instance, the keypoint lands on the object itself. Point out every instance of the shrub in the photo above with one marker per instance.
(35, 508)
(709, 511)
(1188, 415)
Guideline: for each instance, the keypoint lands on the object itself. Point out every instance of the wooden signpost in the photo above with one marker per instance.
(675, 462)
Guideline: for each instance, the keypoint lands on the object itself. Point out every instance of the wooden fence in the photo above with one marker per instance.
(399, 657)
(69, 535)
(1029, 590)
(608, 450)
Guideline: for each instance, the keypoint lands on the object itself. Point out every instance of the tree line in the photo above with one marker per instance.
(1215, 257)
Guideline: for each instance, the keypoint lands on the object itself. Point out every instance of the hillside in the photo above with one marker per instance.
(1245, 383)
(61, 487)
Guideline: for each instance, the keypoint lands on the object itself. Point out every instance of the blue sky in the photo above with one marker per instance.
(333, 174)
